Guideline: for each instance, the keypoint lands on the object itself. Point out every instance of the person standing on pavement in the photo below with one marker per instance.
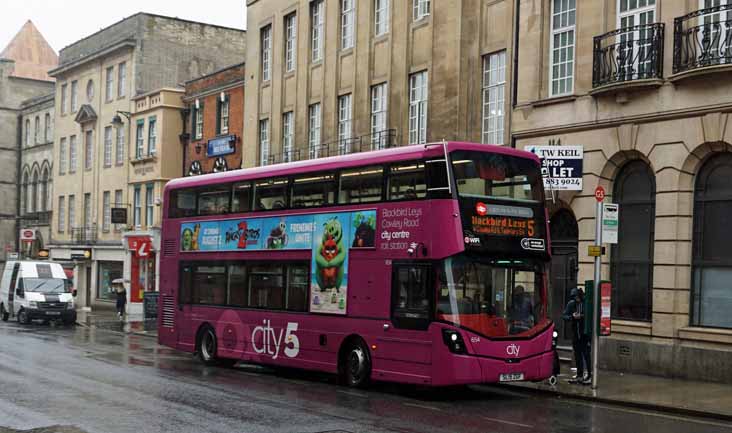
(120, 292)
(575, 314)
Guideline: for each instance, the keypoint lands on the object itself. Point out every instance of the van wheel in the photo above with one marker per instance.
(23, 317)
(207, 347)
(355, 366)
(4, 314)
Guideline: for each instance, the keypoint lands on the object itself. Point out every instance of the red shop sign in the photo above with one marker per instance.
(140, 245)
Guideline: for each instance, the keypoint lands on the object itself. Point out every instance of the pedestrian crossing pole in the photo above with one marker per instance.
(599, 196)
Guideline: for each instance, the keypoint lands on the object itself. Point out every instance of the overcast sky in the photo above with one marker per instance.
(63, 22)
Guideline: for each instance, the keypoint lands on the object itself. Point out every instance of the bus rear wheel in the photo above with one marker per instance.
(208, 347)
(355, 366)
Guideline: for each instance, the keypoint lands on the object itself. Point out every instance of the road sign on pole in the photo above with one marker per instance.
(599, 193)
(610, 220)
(599, 196)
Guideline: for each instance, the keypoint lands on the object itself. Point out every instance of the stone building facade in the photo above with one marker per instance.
(23, 75)
(215, 121)
(333, 77)
(36, 172)
(98, 79)
(645, 88)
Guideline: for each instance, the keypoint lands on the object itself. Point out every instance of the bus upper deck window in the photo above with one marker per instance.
(213, 202)
(271, 194)
(313, 190)
(241, 200)
(361, 185)
(407, 181)
(182, 204)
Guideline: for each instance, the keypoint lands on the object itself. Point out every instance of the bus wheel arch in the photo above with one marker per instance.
(207, 347)
(354, 362)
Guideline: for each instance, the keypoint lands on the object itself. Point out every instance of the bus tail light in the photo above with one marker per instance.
(453, 340)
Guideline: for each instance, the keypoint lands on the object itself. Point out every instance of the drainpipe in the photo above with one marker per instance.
(514, 68)
(18, 168)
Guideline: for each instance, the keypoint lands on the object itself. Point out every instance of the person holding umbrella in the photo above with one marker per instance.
(118, 286)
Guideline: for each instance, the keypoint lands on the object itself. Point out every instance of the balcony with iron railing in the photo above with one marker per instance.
(86, 235)
(379, 140)
(628, 57)
(703, 42)
(37, 218)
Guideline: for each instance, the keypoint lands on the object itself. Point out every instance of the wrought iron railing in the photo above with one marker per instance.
(378, 140)
(38, 218)
(628, 54)
(703, 38)
(86, 235)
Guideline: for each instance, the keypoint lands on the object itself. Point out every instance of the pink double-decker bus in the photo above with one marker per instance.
(422, 264)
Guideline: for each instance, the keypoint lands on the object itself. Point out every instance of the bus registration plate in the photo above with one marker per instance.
(511, 377)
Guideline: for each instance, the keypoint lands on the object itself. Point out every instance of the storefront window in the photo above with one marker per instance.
(108, 272)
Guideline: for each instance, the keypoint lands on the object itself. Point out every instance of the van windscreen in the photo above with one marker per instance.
(45, 285)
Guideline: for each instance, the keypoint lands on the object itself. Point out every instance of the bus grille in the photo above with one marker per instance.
(168, 316)
(169, 247)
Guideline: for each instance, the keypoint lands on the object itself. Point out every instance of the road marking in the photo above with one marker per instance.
(423, 406)
(355, 394)
(690, 419)
(507, 422)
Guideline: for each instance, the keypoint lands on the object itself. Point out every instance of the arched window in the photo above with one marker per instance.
(44, 190)
(712, 257)
(48, 135)
(37, 132)
(24, 193)
(27, 132)
(632, 257)
(34, 193)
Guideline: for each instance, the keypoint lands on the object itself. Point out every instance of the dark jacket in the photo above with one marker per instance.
(577, 325)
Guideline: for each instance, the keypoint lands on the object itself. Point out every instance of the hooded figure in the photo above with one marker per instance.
(118, 285)
(575, 314)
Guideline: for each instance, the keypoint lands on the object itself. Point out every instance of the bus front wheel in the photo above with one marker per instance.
(207, 349)
(355, 365)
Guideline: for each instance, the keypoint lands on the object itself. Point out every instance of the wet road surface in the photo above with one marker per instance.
(74, 380)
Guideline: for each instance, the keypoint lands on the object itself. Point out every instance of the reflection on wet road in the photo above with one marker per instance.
(90, 380)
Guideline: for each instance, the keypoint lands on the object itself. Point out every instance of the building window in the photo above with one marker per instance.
(137, 214)
(24, 198)
(89, 90)
(421, 9)
(317, 10)
(378, 116)
(149, 203)
(223, 116)
(87, 210)
(494, 91)
(88, 149)
(63, 98)
(635, 46)
(266, 40)
(48, 136)
(45, 180)
(290, 42)
(314, 130)
(140, 139)
(109, 84)
(72, 154)
(108, 146)
(711, 256)
(381, 17)
(34, 193)
(72, 212)
(106, 212)
(62, 156)
(632, 257)
(119, 150)
(118, 203)
(288, 132)
(108, 272)
(61, 214)
(152, 136)
(27, 132)
(263, 141)
(344, 124)
(121, 79)
(561, 50)
(418, 89)
(37, 132)
(74, 95)
(198, 122)
(347, 23)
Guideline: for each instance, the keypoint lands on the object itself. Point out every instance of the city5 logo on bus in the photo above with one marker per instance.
(513, 350)
(270, 342)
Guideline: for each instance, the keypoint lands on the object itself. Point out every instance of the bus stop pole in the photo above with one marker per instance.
(596, 295)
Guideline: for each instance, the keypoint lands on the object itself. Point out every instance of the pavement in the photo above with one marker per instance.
(676, 396)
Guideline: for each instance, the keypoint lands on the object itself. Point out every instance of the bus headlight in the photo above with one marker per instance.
(453, 340)
(555, 336)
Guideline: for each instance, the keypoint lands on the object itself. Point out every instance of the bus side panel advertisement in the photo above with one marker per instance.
(240, 234)
(329, 271)
(200, 236)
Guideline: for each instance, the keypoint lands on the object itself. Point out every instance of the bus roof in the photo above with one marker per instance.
(343, 161)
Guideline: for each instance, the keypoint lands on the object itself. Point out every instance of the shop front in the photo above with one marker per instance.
(141, 272)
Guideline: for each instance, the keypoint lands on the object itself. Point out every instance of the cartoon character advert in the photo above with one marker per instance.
(329, 279)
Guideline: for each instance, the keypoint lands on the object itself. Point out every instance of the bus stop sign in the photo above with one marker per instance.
(599, 193)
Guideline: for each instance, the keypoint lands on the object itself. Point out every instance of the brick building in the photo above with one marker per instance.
(215, 121)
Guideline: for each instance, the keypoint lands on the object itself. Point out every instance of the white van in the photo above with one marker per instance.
(36, 291)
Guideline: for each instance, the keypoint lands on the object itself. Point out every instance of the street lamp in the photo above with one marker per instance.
(117, 120)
